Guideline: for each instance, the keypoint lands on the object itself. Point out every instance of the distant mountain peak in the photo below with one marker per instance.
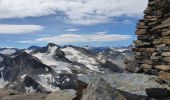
(52, 44)
(33, 47)
(8, 51)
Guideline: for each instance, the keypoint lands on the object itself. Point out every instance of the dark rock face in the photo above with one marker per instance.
(111, 67)
(133, 67)
(153, 92)
(23, 64)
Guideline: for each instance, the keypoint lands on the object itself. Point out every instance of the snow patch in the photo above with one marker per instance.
(120, 49)
(78, 67)
(30, 90)
(7, 51)
(67, 79)
(61, 66)
(52, 49)
(3, 83)
(84, 78)
(1, 59)
(23, 77)
(46, 82)
(2, 68)
(46, 69)
(28, 51)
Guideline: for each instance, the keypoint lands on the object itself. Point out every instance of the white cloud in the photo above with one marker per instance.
(77, 38)
(101, 33)
(127, 22)
(84, 12)
(19, 29)
(72, 30)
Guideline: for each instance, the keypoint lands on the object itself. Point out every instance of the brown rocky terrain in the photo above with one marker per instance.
(14, 95)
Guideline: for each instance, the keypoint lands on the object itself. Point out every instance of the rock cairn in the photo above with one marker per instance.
(152, 47)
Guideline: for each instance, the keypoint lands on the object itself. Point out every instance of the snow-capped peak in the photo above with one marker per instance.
(77, 56)
(8, 51)
(52, 49)
(120, 49)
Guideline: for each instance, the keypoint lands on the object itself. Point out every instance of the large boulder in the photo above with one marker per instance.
(125, 87)
(138, 84)
(98, 90)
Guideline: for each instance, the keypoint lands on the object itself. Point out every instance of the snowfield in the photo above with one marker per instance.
(1, 59)
(77, 56)
(7, 51)
(48, 59)
(3, 83)
(46, 82)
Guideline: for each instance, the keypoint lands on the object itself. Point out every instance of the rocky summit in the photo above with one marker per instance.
(69, 72)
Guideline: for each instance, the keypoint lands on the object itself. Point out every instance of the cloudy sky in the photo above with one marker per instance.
(78, 22)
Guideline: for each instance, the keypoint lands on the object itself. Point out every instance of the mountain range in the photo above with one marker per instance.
(51, 68)
(75, 73)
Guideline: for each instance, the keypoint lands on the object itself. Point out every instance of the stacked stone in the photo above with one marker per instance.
(152, 47)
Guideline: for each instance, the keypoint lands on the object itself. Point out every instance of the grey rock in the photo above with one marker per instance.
(62, 95)
(98, 90)
(136, 84)
(124, 86)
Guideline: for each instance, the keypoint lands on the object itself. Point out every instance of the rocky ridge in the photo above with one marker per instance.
(54, 68)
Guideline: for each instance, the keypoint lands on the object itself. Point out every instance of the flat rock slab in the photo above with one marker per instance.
(133, 83)
(125, 86)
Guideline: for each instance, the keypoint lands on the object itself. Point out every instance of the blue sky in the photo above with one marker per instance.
(78, 22)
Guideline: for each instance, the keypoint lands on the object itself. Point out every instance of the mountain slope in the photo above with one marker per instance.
(52, 68)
